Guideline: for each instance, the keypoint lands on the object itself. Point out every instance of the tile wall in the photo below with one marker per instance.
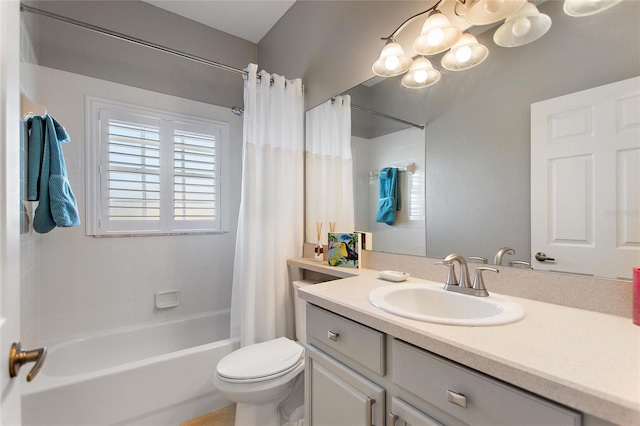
(86, 284)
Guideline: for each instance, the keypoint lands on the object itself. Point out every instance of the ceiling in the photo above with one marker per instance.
(248, 19)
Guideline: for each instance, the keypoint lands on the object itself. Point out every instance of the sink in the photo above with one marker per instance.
(430, 303)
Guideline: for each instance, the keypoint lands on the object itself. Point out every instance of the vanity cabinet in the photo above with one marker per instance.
(336, 393)
(351, 380)
(469, 396)
(339, 396)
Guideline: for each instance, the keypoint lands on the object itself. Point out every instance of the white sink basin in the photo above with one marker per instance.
(429, 302)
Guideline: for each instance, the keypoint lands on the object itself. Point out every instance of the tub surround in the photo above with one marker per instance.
(584, 359)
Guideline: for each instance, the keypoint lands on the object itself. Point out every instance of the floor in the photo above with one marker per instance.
(225, 416)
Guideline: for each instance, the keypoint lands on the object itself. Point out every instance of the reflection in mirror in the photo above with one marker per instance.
(478, 127)
(404, 150)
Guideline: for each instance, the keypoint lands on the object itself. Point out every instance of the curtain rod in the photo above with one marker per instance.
(359, 108)
(120, 36)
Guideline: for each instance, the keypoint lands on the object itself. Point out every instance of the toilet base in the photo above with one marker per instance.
(265, 414)
(275, 413)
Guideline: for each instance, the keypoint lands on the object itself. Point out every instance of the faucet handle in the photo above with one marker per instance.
(451, 275)
(478, 259)
(520, 264)
(478, 281)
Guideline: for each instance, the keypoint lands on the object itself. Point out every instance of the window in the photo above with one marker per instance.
(152, 172)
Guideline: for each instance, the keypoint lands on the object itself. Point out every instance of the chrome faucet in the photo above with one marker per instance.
(464, 286)
(500, 254)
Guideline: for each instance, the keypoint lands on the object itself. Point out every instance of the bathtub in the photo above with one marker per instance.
(159, 374)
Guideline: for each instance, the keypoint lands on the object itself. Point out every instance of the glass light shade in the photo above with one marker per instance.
(482, 12)
(437, 35)
(392, 61)
(422, 74)
(465, 54)
(579, 8)
(524, 26)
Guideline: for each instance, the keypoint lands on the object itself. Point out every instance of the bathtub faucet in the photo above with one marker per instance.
(19, 357)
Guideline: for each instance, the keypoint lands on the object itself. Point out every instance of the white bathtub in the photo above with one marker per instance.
(159, 374)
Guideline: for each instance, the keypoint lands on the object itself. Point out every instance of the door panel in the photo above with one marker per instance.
(9, 206)
(585, 174)
(336, 395)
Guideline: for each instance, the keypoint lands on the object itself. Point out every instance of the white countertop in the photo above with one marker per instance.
(586, 360)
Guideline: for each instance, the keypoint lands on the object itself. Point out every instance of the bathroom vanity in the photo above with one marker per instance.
(557, 366)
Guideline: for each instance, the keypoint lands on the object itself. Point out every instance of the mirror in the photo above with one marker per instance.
(477, 136)
(404, 149)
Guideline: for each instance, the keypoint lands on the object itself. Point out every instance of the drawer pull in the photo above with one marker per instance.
(391, 419)
(457, 398)
(332, 336)
(369, 411)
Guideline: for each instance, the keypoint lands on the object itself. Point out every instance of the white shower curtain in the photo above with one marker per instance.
(329, 168)
(270, 223)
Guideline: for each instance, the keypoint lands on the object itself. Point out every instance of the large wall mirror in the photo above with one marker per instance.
(474, 153)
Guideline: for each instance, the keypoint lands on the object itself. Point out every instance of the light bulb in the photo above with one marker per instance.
(521, 26)
(493, 6)
(435, 37)
(420, 76)
(463, 54)
(391, 63)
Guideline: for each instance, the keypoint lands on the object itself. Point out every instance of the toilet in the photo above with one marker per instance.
(266, 378)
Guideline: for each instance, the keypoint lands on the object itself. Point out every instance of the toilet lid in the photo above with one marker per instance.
(261, 360)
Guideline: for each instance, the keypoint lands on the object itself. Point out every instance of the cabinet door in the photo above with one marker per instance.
(338, 396)
(403, 414)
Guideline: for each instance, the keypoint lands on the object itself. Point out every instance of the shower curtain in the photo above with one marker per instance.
(270, 223)
(329, 168)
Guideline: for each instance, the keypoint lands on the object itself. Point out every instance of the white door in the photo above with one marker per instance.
(9, 206)
(585, 181)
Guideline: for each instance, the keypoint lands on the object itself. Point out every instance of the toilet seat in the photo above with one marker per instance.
(261, 361)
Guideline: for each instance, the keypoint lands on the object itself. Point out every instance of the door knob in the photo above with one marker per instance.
(18, 357)
(541, 257)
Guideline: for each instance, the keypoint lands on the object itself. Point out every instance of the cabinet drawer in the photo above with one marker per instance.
(471, 396)
(358, 342)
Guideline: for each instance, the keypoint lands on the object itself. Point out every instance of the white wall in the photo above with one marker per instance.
(398, 149)
(89, 284)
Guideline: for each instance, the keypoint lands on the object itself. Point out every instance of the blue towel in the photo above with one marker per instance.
(389, 200)
(47, 176)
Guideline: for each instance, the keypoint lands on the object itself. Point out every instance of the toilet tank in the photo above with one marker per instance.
(300, 311)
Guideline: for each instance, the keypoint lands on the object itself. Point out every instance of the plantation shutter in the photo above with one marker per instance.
(130, 172)
(195, 198)
(157, 174)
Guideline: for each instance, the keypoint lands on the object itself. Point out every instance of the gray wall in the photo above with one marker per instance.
(65, 47)
(478, 131)
(332, 44)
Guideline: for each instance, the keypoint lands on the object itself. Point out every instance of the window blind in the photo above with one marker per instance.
(154, 172)
(134, 171)
(194, 173)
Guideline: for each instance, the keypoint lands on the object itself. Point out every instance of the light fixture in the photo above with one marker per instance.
(579, 8)
(392, 60)
(524, 26)
(437, 35)
(482, 12)
(421, 74)
(465, 54)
